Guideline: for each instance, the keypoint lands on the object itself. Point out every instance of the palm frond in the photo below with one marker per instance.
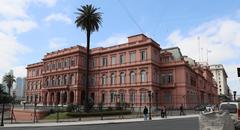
(88, 18)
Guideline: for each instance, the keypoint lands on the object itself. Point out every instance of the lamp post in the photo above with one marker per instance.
(150, 104)
(35, 105)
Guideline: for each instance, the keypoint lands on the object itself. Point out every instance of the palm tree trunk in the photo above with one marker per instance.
(9, 91)
(87, 71)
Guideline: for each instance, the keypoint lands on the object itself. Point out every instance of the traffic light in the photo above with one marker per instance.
(238, 71)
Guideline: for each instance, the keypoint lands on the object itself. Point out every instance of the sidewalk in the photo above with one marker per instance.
(95, 122)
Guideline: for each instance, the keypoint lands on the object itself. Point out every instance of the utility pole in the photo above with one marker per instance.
(2, 123)
(199, 55)
(208, 51)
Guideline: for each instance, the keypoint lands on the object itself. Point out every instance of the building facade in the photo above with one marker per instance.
(220, 76)
(19, 87)
(134, 73)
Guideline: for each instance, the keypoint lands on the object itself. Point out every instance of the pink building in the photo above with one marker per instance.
(123, 73)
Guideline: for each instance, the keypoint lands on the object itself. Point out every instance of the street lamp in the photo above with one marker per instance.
(150, 104)
(35, 105)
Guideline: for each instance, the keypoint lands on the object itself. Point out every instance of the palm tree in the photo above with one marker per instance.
(9, 79)
(1, 89)
(88, 19)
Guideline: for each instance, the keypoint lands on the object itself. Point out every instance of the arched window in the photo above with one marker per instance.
(112, 78)
(122, 78)
(104, 80)
(143, 76)
(132, 77)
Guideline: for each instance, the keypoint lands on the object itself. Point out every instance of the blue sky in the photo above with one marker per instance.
(31, 28)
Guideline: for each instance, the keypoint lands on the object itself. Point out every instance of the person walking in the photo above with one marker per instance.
(164, 112)
(145, 113)
(181, 110)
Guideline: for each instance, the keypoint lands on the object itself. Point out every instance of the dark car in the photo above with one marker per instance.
(200, 108)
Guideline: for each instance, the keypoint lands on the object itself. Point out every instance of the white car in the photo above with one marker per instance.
(233, 108)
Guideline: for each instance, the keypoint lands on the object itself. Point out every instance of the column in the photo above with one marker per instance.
(68, 97)
(48, 98)
(61, 97)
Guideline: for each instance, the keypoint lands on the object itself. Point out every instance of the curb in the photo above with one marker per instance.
(96, 122)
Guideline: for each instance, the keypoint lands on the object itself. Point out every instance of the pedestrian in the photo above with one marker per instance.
(181, 110)
(145, 113)
(164, 112)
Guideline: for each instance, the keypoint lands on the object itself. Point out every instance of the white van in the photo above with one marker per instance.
(233, 108)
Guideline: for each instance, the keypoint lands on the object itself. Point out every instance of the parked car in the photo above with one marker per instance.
(200, 108)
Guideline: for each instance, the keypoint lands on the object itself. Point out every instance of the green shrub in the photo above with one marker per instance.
(71, 108)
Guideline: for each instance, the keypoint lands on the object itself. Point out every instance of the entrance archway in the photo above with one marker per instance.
(71, 97)
(52, 98)
(45, 98)
(58, 98)
(64, 97)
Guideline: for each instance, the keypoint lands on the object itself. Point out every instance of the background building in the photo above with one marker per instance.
(220, 76)
(19, 87)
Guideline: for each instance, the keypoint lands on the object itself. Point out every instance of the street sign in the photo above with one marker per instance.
(238, 71)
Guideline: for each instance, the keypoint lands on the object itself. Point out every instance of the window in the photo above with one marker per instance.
(122, 59)
(93, 81)
(193, 81)
(112, 97)
(143, 76)
(67, 62)
(59, 64)
(112, 79)
(113, 60)
(122, 97)
(104, 61)
(143, 55)
(132, 97)
(132, 56)
(143, 97)
(132, 77)
(104, 80)
(94, 62)
(166, 78)
(167, 98)
(122, 78)
(73, 61)
(103, 97)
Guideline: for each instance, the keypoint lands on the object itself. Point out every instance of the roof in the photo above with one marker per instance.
(176, 52)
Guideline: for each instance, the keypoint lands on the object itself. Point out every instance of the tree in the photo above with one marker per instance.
(9, 79)
(5, 98)
(88, 19)
(1, 89)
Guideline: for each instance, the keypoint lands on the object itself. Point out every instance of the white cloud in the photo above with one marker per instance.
(14, 21)
(13, 8)
(17, 26)
(113, 40)
(47, 2)
(57, 43)
(20, 71)
(221, 36)
(58, 17)
(10, 51)
(218, 36)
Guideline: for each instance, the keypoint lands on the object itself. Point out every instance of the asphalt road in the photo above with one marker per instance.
(171, 124)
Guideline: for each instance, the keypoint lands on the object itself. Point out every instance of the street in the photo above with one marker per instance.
(171, 124)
